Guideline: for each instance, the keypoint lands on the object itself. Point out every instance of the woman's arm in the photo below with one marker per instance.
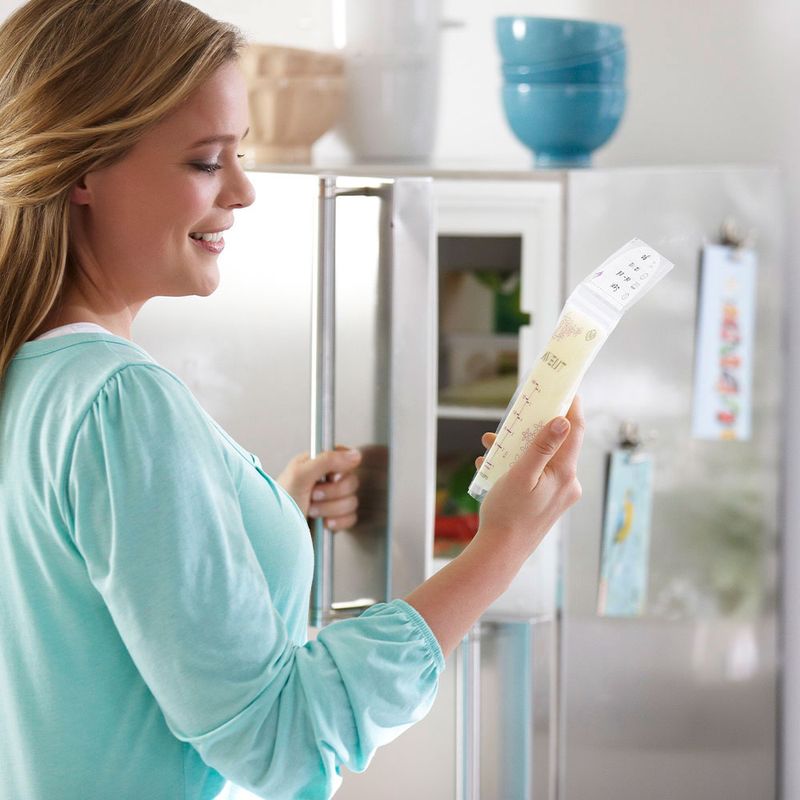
(158, 508)
(516, 514)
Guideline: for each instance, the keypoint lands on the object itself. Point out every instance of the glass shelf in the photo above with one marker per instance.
(506, 341)
(469, 412)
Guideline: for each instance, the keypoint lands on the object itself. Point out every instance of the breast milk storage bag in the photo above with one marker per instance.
(591, 312)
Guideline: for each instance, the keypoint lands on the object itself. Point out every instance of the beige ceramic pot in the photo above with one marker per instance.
(268, 60)
(295, 96)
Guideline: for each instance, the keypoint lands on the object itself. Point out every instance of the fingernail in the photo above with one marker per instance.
(559, 425)
(336, 476)
(318, 494)
(353, 455)
(331, 524)
(313, 511)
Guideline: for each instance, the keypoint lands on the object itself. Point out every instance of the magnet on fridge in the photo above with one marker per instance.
(722, 404)
(626, 533)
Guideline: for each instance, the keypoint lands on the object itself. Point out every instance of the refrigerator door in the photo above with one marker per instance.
(384, 371)
(246, 353)
(680, 702)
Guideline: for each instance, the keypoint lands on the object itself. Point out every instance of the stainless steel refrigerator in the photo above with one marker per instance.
(324, 331)
(682, 702)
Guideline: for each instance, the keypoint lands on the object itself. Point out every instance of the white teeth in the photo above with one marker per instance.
(207, 237)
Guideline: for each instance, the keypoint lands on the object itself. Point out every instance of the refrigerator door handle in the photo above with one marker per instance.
(323, 349)
(322, 385)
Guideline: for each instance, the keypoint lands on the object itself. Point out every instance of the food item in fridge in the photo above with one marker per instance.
(456, 521)
(591, 312)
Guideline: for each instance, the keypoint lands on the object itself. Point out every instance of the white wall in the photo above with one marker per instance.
(710, 81)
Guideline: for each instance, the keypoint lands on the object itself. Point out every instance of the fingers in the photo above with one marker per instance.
(336, 503)
(332, 464)
(566, 460)
(337, 514)
(545, 445)
(487, 440)
(335, 489)
(341, 523)
(340, 461)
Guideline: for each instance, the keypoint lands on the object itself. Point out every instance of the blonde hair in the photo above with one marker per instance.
(80, 82)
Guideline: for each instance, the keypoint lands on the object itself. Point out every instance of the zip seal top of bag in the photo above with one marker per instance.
(590, 314)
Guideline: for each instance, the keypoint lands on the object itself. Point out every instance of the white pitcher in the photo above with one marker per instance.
(391, 49)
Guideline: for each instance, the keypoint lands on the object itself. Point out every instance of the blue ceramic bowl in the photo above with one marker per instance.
(530, 40)
(608, 68)
(563, 124)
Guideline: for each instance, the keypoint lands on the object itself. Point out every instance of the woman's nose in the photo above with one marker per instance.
(241, 193)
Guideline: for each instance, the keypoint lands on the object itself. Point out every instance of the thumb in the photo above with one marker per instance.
(545, 445)
(342, 459)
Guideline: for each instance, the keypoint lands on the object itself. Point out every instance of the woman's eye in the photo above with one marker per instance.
(209, 168)
(213, 167)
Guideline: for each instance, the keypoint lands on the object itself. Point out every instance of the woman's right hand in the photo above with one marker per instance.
(514, 517)
(526, 502)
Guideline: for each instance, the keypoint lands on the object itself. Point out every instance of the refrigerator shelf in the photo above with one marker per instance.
(469, 412)
(499, 340)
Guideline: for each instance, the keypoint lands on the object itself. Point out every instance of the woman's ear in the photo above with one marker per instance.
(80, 194)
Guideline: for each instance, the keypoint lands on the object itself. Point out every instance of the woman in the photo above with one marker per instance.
(153, 579)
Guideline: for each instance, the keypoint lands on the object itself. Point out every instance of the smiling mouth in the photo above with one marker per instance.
(206, 237)
(214, 246)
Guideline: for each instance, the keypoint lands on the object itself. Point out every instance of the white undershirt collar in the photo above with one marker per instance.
(73, 327)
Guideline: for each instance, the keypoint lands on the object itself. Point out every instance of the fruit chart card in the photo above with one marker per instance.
(722, 406)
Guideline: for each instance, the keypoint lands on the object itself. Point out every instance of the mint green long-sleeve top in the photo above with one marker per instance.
(154, 586)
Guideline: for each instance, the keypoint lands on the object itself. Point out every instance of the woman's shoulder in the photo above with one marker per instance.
(74, 361)
(105, 389)
(62, 379)
(131, 383)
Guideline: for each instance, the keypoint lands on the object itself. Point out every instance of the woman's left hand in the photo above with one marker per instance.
(334, 500)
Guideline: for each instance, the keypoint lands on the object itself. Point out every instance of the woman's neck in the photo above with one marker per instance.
(72, 310)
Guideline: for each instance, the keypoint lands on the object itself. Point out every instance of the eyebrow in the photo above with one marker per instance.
(218, 138)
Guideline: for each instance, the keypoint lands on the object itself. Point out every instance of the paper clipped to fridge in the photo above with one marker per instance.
(591, 312)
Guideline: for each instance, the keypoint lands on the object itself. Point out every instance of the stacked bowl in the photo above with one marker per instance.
(295, 96)
(564, 85)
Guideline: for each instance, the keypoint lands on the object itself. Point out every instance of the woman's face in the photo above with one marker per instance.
(131, 222)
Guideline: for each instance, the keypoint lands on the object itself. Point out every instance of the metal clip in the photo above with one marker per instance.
(631, 440)
(730, 235)
(629, 437)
